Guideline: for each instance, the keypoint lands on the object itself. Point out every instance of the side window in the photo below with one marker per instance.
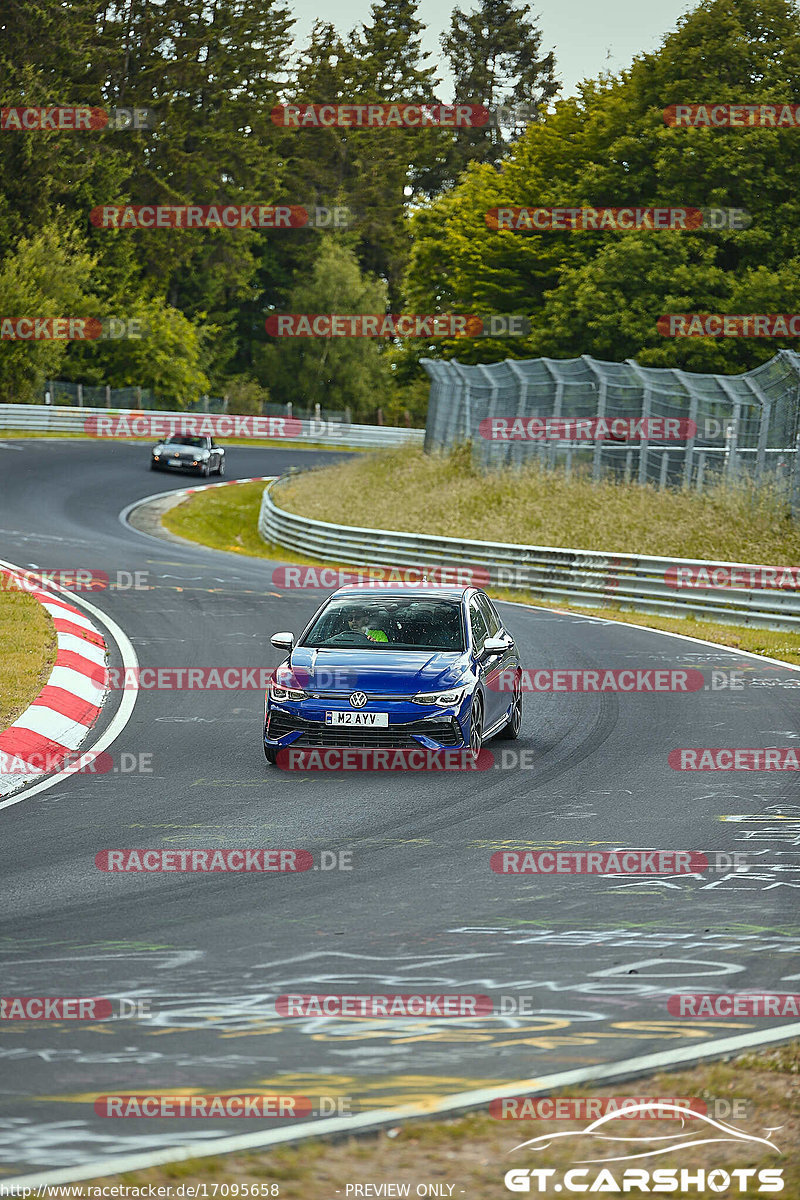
(477, 625)
(493, 623)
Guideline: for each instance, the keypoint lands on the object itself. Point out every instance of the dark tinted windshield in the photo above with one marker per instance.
(199, 442)
(385, 623)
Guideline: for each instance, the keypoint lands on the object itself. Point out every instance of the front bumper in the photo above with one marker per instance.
(169, 464)
(303, 724)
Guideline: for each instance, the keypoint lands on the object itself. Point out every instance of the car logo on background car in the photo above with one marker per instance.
(358, 700)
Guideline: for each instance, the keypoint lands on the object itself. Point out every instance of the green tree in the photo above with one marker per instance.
(335, 373)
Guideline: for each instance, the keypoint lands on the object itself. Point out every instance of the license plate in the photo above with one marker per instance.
(174, 462)
(372, 720)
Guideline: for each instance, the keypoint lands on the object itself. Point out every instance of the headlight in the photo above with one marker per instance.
(442, 699)
(282, 693)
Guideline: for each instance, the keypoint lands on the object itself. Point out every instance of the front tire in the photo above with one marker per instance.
(271, 755)
(476, 727)
(205, 470)
(221, 467)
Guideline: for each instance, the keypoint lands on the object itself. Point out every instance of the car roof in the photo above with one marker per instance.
(444, 592)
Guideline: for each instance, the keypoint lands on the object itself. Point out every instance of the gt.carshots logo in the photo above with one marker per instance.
(609, 1176)
(396, 325)
(589, 429)
(153, 425)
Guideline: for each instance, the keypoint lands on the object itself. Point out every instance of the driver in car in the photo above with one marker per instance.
(358, 620)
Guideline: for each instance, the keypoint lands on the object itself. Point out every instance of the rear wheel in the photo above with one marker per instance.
(510, 731)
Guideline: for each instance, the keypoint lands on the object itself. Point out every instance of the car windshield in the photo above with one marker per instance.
(186, 441)
(384, 623)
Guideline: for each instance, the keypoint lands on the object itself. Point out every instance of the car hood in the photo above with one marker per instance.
(381, 671)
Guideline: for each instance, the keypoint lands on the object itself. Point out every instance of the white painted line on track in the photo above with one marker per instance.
(121, 716)
(336, 1126)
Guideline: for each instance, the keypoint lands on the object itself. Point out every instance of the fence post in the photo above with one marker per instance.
(628, 465)
(687, 466)
(662, 479)
(794, 495)
(701, 468)
(108, 395)
(763, 433)
(138, 396)
(80, 395)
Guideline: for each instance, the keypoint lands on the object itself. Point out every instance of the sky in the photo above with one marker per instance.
(588, 37)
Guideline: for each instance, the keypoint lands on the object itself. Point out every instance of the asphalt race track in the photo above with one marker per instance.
(592, 958)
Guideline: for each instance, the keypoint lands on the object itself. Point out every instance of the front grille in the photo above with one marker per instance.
(395, 737)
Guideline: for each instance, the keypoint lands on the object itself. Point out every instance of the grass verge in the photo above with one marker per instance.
(472, 1152)
(27, 653)
(227, 519)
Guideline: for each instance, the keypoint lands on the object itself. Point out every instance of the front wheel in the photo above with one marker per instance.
(510, 731)
(205, 470)
(271, 754)
(221, 467)
(476, 727)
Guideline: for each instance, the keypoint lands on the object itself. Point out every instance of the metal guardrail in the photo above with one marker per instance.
(49, 418)
(584, 577)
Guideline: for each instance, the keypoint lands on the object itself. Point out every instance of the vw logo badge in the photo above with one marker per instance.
(358, 700)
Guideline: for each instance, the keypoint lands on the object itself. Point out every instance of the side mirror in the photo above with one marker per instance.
(493, 647)
(282, 641)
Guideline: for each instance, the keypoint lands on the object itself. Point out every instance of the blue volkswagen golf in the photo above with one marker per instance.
(398, 667)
